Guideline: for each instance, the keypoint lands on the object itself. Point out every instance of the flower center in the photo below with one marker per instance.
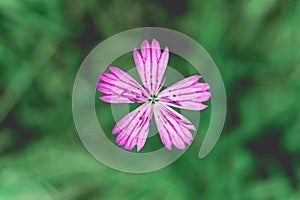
(152, 99)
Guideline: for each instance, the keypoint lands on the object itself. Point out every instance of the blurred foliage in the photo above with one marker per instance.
(254, 43)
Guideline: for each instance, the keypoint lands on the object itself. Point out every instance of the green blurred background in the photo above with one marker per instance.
(255, 44)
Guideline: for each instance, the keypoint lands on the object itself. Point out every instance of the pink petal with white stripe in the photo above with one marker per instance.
(186, 94)
(151, 64)
(173, 128)
(120, 87)
(174, 114)
(134, 127)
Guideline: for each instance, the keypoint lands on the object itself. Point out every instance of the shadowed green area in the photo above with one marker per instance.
(256, 46)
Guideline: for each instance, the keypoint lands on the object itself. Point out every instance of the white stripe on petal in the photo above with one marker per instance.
(188, 105)
(184, 83)
(146, 53)
(162, 65)
(139, 63)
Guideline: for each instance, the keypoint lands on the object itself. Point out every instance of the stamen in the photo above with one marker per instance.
(153, 99)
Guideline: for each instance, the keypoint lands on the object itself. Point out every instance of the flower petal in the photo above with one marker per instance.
(187, 94)
(120, 87)
(173, 128)
(151, 64)
(171, 112)
(134, 127)
(162, 65)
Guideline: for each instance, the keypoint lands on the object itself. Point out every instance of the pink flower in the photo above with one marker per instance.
(120, 87)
